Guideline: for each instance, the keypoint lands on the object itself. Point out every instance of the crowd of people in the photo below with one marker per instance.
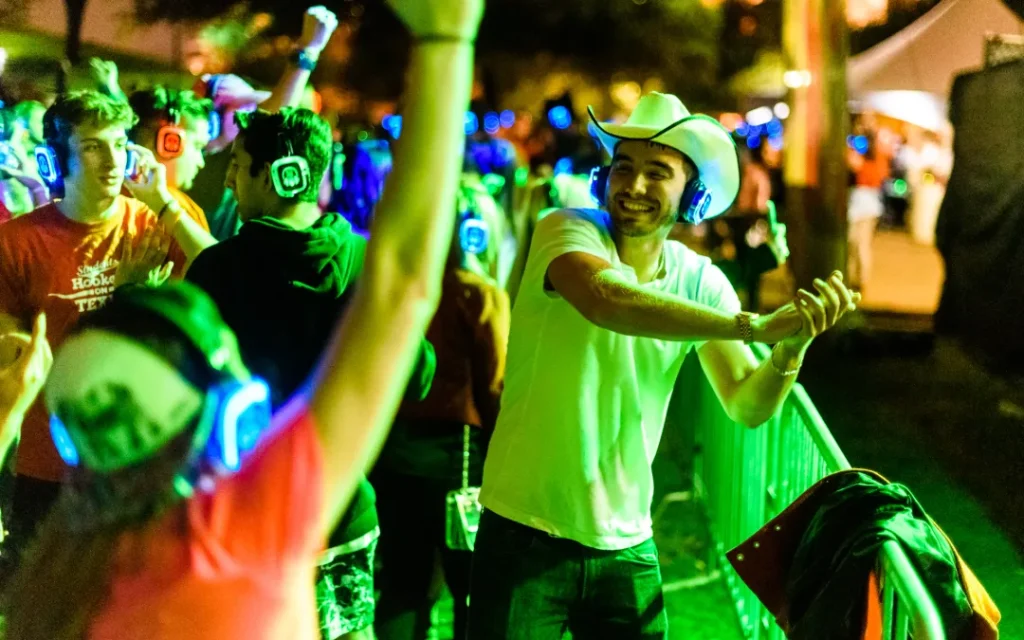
(271, 360)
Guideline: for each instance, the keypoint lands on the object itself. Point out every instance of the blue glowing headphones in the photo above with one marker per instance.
(693, 207)
(51, 169)
(474, 234)
(236, 412)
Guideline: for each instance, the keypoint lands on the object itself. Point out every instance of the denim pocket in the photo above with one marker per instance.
(645, 553)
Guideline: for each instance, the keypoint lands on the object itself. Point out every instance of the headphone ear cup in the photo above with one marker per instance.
(474, 236)
(696, 202)
(240, 417)
(599, 184)
(170, 142)
(290, 176)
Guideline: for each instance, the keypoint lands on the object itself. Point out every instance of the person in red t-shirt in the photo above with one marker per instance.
(188, 515)
(175, 126)
(66, 257)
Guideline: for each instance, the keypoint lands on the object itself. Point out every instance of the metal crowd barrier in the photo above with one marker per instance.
(746, 477)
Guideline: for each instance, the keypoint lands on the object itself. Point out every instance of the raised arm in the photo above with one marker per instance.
(317, 26)
(360, 381)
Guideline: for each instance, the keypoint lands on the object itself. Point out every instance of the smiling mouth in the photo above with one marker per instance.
(633, 206)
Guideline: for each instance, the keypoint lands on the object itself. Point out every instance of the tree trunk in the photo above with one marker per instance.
(816, 43)
(75, 14)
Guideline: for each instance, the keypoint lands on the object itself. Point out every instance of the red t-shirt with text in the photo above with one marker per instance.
(238, 562)
(65, 268)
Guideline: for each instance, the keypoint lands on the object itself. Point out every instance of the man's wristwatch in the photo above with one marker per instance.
(305, 60)
(743, 321)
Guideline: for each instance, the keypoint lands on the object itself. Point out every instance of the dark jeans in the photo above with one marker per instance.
(420, 464)
(528, 585)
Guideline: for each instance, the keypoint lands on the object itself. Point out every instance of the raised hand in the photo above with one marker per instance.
(151, 185)
(104, 72)
(144, 264)
(446, 18)
(21, 380)
(317, 26)
(823, 311)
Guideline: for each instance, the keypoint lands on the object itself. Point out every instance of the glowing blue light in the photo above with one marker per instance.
(506, 152)
(860, 143)
(563, 166)
(775, 142)
(507, 118)
(393, 125)
(472, 123)
(491, 123)
(560, 117)
(774, 128)
(754, 142)
(742, 129)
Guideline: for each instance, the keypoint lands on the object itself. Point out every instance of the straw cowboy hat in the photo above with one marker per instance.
(662, 118)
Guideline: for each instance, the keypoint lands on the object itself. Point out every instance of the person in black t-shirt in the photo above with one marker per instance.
(281, 284)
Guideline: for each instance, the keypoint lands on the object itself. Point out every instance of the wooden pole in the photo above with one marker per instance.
(816, 42)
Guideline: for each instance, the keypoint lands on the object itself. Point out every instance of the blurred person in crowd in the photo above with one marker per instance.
(366, 168)
(435, 441)
(192, 514)
(929, 167)
(306, 264)
(864, 209)
(230, 94)
(606, 312)
(21, 187)
(748, 242)
(175, 127)
(65, 258)
(30, 114)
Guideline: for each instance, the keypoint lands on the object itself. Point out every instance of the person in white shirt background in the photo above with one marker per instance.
(606, 312)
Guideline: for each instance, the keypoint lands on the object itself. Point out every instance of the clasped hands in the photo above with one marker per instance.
(797, 324)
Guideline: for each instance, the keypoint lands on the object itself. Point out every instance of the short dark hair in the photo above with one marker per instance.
(266, 136)
(158, 106)
(74, 109)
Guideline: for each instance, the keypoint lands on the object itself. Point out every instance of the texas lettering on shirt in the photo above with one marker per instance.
(92, 286)
(65, 268)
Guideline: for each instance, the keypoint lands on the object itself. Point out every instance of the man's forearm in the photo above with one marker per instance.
(288, 91)
(628, 309)
(191, 237)
(761, 394)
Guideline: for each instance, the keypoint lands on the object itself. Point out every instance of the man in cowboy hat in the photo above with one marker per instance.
(606, 312)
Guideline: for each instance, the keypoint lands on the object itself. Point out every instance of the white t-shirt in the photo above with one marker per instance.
(583, 407)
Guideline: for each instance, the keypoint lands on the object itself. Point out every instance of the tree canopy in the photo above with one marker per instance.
(679, 39)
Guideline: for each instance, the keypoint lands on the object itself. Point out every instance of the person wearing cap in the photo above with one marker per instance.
(606, 312)
(231, 94)
(192, 512)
